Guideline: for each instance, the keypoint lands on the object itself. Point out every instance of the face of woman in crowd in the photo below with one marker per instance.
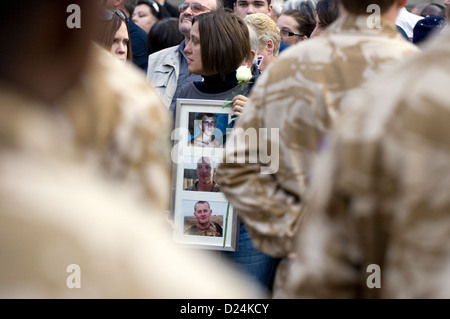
(143, 17)
(119, 47)
(193, 52)
(288, 24)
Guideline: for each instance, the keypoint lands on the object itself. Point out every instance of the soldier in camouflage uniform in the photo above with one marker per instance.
(302, 95)
(378, 224)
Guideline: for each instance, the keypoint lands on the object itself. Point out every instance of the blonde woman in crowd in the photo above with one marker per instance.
(268, 35)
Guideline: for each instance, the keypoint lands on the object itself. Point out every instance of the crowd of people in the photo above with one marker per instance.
(356, 95)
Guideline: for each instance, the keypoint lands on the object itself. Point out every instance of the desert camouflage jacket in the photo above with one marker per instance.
(291, 107)
(124, 129)
(214, 230)
(378, 223)
(60, 220)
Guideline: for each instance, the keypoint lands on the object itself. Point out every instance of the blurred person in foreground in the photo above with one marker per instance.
(301, 92)
(65, 230)
(379, 218)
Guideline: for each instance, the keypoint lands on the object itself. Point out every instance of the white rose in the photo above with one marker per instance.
(243, 74)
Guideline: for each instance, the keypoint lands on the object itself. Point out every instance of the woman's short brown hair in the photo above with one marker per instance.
(360, 6)
(305, 24)
(327, 11)
(224, 41)
(108, 29)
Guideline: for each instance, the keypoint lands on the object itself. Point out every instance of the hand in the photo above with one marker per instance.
(238, 104)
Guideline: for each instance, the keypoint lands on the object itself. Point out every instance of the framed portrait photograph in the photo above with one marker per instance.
(202, 216)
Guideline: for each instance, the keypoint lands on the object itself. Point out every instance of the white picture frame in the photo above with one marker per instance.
(185, 156)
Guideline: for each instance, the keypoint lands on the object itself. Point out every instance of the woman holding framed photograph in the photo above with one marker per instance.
(219, 44)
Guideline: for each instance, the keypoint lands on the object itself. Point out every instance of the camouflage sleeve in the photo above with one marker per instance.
(379, 196)
(329, 260)
(142, 142)
(278, 132)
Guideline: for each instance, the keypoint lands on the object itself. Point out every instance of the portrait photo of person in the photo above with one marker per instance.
(208, 129)
(205, 172)
(205, 223)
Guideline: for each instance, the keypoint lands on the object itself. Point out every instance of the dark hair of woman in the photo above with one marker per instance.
(224, 53)
(163, 34)
(305, 23)
(328, 11)
(157, 10)
(306, 6)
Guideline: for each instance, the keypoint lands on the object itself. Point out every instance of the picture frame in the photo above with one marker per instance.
(201, 130)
